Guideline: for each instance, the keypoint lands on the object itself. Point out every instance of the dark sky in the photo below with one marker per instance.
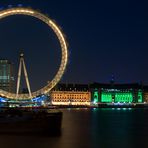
(105, 38)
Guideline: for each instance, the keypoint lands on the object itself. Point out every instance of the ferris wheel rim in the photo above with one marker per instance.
(61, 38)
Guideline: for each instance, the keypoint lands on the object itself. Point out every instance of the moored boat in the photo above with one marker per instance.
(34, 120)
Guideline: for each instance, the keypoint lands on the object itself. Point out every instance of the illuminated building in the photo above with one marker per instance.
(6, 75)
(145, 95)
(71, 94)
(70, 98)
(116, 93)
(78, 94)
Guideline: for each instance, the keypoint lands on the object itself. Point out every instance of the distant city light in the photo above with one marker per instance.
(20, 5)
(9, 6)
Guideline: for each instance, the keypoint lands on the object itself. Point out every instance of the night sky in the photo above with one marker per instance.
(105, 38)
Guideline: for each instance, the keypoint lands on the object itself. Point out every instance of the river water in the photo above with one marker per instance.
(90, 128)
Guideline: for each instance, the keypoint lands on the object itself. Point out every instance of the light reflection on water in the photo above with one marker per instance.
(96, 128)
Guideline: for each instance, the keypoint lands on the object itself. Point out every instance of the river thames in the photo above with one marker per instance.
(90, 128)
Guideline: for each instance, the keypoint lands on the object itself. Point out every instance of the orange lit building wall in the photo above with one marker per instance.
(70, 97)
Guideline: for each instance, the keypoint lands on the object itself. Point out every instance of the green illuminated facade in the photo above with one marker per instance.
(126, 97)
(140, 97)
(117, 94)
(96, 96)
(106, 97)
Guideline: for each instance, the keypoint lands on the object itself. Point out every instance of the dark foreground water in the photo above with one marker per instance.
(90, 128)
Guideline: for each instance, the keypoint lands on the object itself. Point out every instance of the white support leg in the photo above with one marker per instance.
(26, 78)
(19, 77)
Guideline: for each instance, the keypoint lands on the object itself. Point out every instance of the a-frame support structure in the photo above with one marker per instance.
(22, 63)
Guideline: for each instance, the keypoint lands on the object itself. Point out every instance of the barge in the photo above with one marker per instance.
(14, 120)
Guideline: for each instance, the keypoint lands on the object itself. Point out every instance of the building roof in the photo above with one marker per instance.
(117, 86)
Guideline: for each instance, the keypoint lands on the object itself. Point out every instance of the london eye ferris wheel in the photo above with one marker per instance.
(63, 45)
